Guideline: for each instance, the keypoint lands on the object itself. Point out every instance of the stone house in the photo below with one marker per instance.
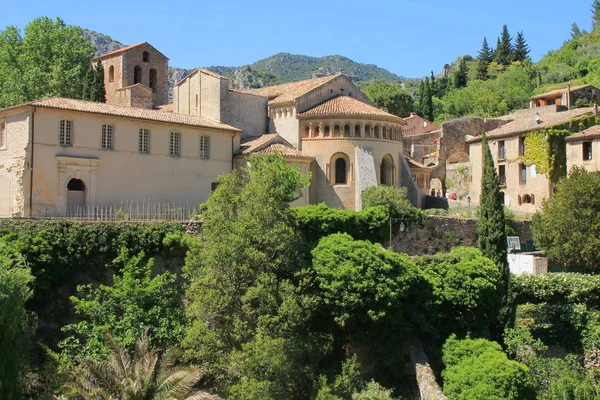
(568, 97)
(522, 187)
(60, 154)
(583, 149)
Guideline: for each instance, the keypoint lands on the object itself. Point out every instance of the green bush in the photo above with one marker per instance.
(478, 369)
(465, 287)
(395, 201)
(317, 221)
(563, 288)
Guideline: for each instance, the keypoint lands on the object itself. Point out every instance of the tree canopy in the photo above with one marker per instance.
(391, 97)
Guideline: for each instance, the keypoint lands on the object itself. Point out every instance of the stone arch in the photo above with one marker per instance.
(368, 132)
(316, 130)
(137, 74)
(327, 131)
(340, 169)
(436, 185)
(76, 196)
(357, 132)
(376, 132)
(386, 171)
(337, 130)
(384, 133)
(306, 131)
(526, 199)
(111, 73)
(347, 130)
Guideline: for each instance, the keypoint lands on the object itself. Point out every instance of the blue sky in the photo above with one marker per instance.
(407, 37)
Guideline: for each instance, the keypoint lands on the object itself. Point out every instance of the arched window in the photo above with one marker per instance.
(75, 197)
(145, 56)
(306, 131)
(316, 130)
(327, 129)
(367, 130)
(346, 130)
(337, 131)
(137, 74)
(385, 133)
(526, 199)
(152, 81)
(341, 172)
(376, 132)
(111, 74)
(357, 130)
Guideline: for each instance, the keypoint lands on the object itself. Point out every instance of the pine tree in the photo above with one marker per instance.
(595, 14)
(521, 48)
(460, 78)
(575, 31)
(504, 49)
(491, 235)
(483, 61)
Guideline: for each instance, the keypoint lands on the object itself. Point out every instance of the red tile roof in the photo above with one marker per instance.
(350, 107)
(524, 122)
(590, 133)
(270, 144)
(127, 112)
(123, 49)
(288, 92)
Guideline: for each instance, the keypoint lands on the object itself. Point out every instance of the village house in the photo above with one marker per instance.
(522, 186)
(583, 149)
(569, 97)
(59, 155)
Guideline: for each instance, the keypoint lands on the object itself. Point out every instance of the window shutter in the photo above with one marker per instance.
(532, 198)
(519, 199)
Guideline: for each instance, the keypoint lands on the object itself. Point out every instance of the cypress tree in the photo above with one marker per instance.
(460, 78)
(491, 235)
(433, 83)
(521, 48)
(595, 14)
(504, 50)
(421, 95)
(575, 31)
(483, 61)
(428, 112)
(100, 91)
(88, 84)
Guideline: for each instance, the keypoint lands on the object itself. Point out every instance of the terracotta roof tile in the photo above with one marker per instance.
(288, 92)
(348, 106)
(414, 163)
(165, 108)
(558, 92)
(269, 144)
(524, 122)
(129, 112)
(122, 49)
(590, 133)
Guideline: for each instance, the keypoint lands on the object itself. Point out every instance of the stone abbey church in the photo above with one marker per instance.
(60, 153)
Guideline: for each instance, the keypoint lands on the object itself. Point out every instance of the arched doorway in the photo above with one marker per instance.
(385, 171)
(75, 195)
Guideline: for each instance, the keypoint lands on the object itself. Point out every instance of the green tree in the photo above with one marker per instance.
(239, 272)
(504, 51)
(595, 14)
(479, 369)
(395, 201)
(461, 76)
(51, 59)
(575, 31)
(465, 288)
(426, 100)
(135, 301)
(483, 61)
(521, 52)
(93, 86)
(15, 290)
(391, 97)
(491, 236)
(433, 83)
(146, 376)
(568, 227)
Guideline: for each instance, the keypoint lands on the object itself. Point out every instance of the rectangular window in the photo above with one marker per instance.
(204, 147)
(501, 150)
(587, 151)
(502, 175)
(65, 137)
(523, 173)
(174, 140)
(107, 137)
(521, 146)
(144, 141)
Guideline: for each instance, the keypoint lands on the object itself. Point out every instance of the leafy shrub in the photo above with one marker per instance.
(465, 288)
(563, 288)
(478, 369)
(395, 201)
(317, 221)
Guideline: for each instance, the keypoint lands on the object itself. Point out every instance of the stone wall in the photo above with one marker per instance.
(442, 234)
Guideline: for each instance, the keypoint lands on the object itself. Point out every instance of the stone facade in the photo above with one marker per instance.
(583, 149)
(567, 97)
(140, 63)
